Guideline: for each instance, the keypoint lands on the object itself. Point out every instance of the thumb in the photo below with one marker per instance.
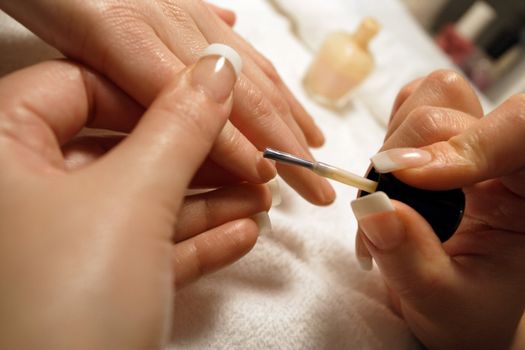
(403, 245)
(177, 132)
(490, 148)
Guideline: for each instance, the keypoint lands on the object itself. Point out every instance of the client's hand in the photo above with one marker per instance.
(87, 254)
(468, 292)
(139, 44)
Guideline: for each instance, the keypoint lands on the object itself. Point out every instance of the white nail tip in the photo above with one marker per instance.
(377, 202)
(275, 190)
(383, 163)
(365, 263)
(227, 52)
(263, 222)
(400, 158)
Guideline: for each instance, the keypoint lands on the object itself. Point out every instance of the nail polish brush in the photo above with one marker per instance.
(443, 210)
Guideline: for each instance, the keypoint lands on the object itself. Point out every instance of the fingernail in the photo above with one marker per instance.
(217, 71)
(263, 222)
(378, 220)
(275, 190)
(265, 167)
(327, 190)
(315, 137)
(400, 158)
(319, 137)
(362, 254)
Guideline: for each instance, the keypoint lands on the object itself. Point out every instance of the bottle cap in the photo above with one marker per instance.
(443, 210)
(474, 21)
(367, 29)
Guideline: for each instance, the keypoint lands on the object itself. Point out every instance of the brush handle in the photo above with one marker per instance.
(344, 176)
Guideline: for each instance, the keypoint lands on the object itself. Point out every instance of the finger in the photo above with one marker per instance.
(313, 134)
(267, 97)
(240, 157)
(226, 15)
(232, 150)
(442, 88)
(63, 97)
(426, 125)
(176, 133)
(208, 210)
(427, 282)
(404, 247)
(86, 149)
(490, 148)
(405, 92)
(213, 250)
(274, 116)
(212, 175)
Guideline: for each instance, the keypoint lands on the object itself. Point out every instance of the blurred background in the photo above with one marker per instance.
(486, 39)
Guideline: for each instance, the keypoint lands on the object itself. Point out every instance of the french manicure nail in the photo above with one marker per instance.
(378, 220)
(217, 71)
(400, 158)
(275, 190)
(263, 222)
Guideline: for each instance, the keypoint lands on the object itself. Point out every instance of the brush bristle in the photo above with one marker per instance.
(283, 157)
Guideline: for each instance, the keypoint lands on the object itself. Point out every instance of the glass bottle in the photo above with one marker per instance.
(343, 61)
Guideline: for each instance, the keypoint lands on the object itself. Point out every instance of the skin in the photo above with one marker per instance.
(140, 45)
(94, 240)
(468, 292)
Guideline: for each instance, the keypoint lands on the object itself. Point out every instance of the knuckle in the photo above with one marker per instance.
(176, 12)
(281, 106)
(273, 93)
(425, 118)
(516, 104)
(408, 89)
(469, 151)
(257, 101)
(191, 116)
(424, 121)
(446, 77)
(232, 141)
(115, 13)
(24, 126)
(269, 69)
(451, 84)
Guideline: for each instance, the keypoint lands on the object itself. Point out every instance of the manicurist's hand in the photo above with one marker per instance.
(93, 242)
(139, 44)
(467, 293)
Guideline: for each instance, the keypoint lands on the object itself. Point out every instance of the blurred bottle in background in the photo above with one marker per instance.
(458, 42)
(341, 64)
(509, 70)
